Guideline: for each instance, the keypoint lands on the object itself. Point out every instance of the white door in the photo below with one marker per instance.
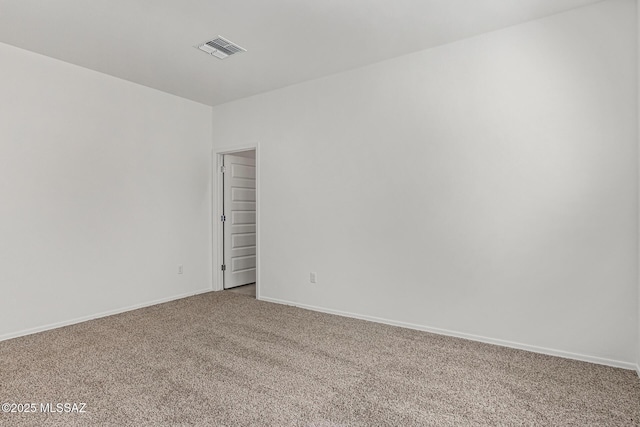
(239, 206)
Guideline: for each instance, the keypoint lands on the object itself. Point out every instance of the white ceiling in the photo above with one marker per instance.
(288, 41)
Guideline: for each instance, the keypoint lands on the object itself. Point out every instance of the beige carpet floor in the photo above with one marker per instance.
(224, 359)
(245, 290)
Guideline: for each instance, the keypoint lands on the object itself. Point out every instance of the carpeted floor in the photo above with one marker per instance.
(245, 290)
(225, 359)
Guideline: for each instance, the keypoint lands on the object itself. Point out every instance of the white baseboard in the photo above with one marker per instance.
(98, 315)
(503, 343)
(638, 370)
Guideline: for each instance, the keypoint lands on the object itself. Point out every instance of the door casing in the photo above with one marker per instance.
(217, 205)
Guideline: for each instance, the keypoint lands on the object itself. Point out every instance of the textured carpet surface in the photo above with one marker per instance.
(223, 359)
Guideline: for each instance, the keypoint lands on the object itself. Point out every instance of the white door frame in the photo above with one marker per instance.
(217, 202)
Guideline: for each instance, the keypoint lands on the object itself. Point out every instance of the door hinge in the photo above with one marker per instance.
(223, 218)
(223, 169)
(223, 267)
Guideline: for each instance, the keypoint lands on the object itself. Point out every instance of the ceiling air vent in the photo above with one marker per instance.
(220, 48)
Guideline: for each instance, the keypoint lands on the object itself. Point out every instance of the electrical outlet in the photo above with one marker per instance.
(180, 269)
(313, 277)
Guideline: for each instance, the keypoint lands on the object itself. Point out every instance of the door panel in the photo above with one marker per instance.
(244, 263)
(243, 217)
(239, 183)
(243, 240)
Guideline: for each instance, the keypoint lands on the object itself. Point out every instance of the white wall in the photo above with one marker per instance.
(104, 190)
(487, 187)
(638, 106)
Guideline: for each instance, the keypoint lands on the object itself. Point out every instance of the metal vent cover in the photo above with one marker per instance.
(220, 47)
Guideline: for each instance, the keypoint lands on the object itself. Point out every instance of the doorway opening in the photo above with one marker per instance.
(237, 236)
